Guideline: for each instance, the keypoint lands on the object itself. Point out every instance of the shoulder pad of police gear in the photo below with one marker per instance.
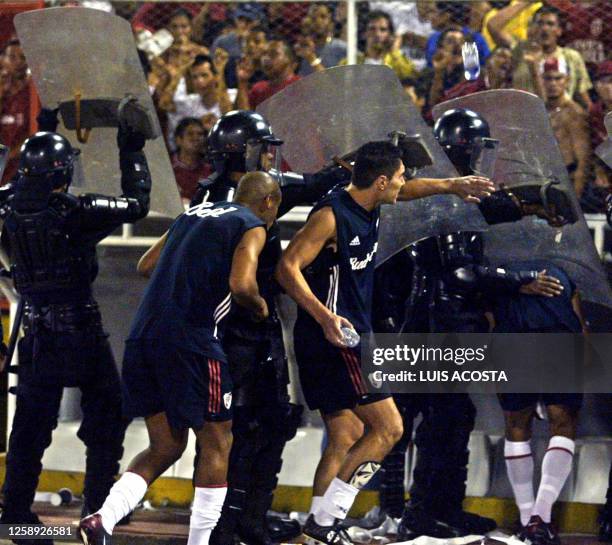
(64, 203)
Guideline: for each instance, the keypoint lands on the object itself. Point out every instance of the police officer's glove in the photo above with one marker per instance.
(47, 120)
(337, 173)
(129, 140)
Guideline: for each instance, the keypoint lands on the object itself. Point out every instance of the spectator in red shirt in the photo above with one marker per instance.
(16, 93)
(278, 64)
(497, 74)
(188, 162)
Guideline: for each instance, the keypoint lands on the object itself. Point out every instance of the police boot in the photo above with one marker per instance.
(24, 518)
(605, 523)
(417, 522)
(231, 513)
(252, 526)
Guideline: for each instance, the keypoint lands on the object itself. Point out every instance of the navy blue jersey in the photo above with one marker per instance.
(519, 313)
(188, 296)
(343, 280)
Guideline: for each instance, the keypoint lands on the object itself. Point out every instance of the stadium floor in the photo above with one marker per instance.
(168, 526)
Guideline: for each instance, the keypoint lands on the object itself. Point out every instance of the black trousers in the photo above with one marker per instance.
(49, 361)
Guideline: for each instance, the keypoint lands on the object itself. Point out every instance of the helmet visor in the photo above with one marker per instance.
(484, 156)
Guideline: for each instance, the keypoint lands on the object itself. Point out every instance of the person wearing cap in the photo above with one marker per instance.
(245, 16)
(569, 122)
(547, 31)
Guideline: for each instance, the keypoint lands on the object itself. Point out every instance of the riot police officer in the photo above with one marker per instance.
(264, 420)
(50, 237)
(449, 275)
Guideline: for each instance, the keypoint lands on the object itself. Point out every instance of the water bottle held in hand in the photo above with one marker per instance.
(350, 337)
(471, 60)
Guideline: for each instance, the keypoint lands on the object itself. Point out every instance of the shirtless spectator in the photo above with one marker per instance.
(569, 123)
(497, 74)
(16, 94)
(245, 17)
(547, 33)
(278, 64)
(188, 162)
(317, 47)
(382, 46)
(201, 93)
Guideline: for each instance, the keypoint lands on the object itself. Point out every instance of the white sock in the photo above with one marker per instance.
(556, 467)
(122, 499)
(519, 467)
(336, 503)
(205, 512)
(315, 505)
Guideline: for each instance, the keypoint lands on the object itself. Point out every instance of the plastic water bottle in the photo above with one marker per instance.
(350, 337)
(471, 61)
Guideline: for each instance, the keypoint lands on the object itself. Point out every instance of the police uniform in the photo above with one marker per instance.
(51, 238)
(343, 281)
(174, 359)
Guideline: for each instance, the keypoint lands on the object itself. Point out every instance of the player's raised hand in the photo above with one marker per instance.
(472, 188)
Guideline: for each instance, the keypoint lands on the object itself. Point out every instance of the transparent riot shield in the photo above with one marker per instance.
(528, 154)
(330, 114)
(90, 53)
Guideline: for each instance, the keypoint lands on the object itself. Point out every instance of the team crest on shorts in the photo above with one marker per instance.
(227, 400)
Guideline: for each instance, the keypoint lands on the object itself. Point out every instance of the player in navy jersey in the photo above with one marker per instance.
(328, 269)
(175, 371)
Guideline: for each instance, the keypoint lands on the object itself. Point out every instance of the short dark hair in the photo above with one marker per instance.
(203, 59)
(549, 10)
(286, 46)
(374, 159)
(181, 12)
(379, 14)
(184, 124)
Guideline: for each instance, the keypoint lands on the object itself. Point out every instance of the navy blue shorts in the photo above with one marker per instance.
(189, 387)
(518, 402)
(331, 377)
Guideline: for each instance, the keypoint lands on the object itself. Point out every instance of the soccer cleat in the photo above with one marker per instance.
(91, 531)
(539, 532)
(329, 535)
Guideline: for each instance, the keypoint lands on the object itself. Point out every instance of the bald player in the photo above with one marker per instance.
(175, 372)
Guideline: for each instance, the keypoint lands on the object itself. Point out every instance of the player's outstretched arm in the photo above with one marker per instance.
(243, 276)
(319, 231)
(468, 188)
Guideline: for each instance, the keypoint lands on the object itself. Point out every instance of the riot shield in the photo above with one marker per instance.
(528, 153)
(92, 53)
(331, 113)
(604, 150)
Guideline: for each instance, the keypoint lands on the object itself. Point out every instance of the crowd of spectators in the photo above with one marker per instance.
(204, 59)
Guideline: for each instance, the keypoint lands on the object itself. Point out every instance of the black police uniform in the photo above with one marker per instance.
(51, 239)
(264, 419)
(449, 279)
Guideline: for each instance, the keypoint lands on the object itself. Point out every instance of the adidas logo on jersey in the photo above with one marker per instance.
(355, 242)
